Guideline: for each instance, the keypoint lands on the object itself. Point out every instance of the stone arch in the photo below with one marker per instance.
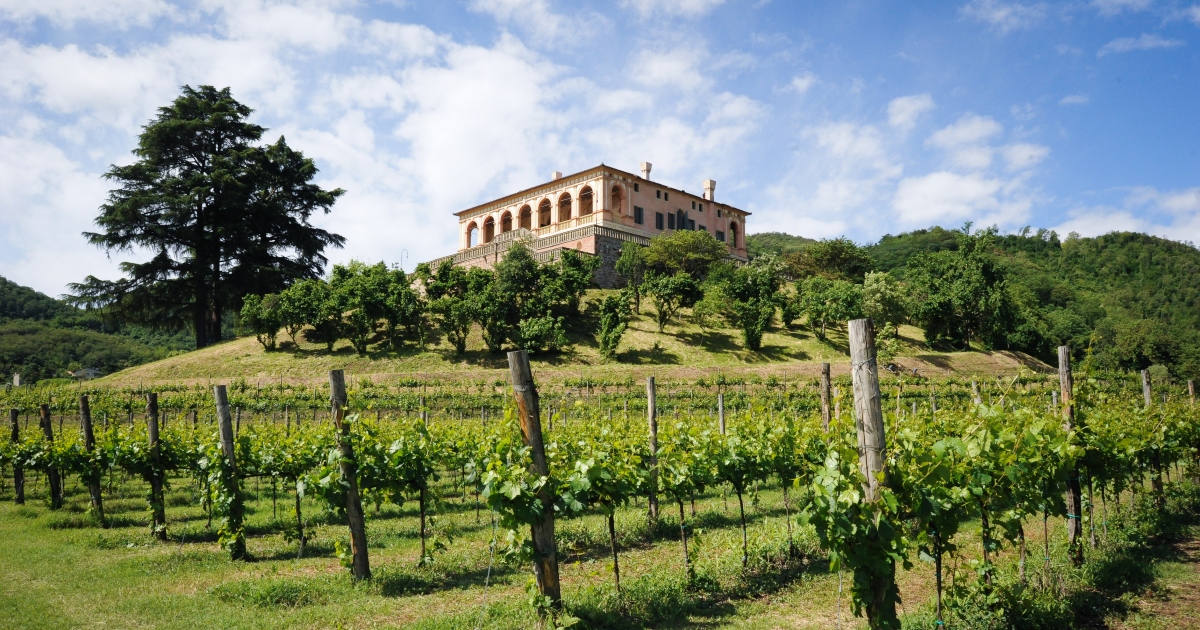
(617, 200)
(585, 201)
(733, 235)
(525, 217)
(564, 207)
(472, 234)
(544, 213)
(506, 222)
(489, 229)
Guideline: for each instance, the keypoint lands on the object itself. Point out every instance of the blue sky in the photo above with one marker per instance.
(823, 119)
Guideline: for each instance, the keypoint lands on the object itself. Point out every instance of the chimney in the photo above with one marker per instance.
(646, 170)
(710, 187)
(555, 175)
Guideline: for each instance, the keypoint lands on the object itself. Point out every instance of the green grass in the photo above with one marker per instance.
(683, 349)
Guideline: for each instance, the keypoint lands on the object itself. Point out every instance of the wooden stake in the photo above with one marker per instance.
(158, 504)
(1192, 391)
(721, 412)
(14, 419)
(89, 443)
(361, 564)
(825, 397)
(545, 561)
(652, 420)
(52, 475)
(237, 548)
(872, 455)
(1066, 385)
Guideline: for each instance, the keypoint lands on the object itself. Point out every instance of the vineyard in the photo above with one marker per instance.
(670, 502)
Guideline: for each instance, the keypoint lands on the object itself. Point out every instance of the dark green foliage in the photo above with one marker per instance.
(38, 350)
(360, 292)
(836, 259)
(18, 302)
(575, 277)
(670, 293)
(687, 251)
(224, 217)
(631, 266)
(961, 296)
(828, 302)
(753, 291)
(614, 315)
(260, 313)
(893, 252)
(776, 243)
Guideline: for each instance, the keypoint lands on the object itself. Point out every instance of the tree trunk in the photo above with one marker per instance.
(687, 562)
(742, 512)
(299, 525)
(236, 507)
(825, 397)
(421, 505)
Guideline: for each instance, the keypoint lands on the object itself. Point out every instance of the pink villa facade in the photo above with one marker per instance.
(593, 212)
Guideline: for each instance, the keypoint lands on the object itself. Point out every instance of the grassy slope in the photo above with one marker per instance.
(684, 350)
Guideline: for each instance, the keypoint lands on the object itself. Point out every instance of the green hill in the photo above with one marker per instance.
(42, 338)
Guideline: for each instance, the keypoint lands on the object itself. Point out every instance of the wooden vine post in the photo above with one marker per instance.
(230, 478)
(825, 417)
(1192, 392)
(721, 412)
(89, 443)
(1066, 385)
(652, 458)
(1156, 472)
(545, 551)
(52, 475)
(360, 564)
(158, 504)
(18, 469)
(872, 449)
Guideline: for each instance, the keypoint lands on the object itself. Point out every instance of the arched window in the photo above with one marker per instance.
(472, 234)
(616, 200)
(733, 235)
(489, 230)
(585, 201)
(564, 207)
(525, 218)
(506, 222)
(544, 213)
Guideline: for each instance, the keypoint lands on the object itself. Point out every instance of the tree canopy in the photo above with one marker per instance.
(220, 217)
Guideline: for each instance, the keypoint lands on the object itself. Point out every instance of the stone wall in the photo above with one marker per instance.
(608, 249)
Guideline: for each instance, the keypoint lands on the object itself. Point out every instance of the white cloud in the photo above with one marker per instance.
(1005, 16)
(904, 111)
(1193, 12)
(1110, 8)
(121, 13)
(1075, 99)
(679, 67)
(1147, 41)
(1067, 49)
(801, 83)
(684, 8)
(1023, 156)
(1171, 214)
(945, 197)
(969, 129)
(540, 20)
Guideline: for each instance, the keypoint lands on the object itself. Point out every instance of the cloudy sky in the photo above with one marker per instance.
(822, 118)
